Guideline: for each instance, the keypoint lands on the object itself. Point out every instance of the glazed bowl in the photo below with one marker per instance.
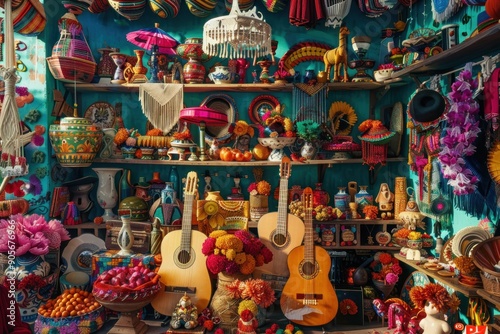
(222, 75)
(382, 75)
(75, 279)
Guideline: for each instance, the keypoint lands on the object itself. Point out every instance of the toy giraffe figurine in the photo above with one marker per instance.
(337, 57)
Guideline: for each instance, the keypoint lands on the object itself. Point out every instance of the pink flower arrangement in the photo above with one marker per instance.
(234, 253)
(259, 188)
(385, 268)
(253, 292)
(461, 132)
(32, 234)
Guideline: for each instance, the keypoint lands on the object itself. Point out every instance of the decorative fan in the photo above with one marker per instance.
(343, 117)
(494, 162)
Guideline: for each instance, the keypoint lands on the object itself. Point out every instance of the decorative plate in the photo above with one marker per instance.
(226, 104)
(77, 255)
(102, 114)
(342, 117)
(446, 253)
(416, 278)
(446, 273)
(260, 105)
(383, 238)
(468, 238)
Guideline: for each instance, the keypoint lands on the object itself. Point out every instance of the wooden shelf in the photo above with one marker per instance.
(86, 227)
(494, 300)
(452, 282)
(210, 88)
(471, 49)
(328, 162)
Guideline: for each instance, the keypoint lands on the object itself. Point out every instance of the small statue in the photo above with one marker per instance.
(436, 302)
(247, 324)
(385, 198)
(354, 210)
(185, 314)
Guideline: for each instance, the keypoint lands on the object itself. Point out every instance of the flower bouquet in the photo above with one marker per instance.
(231, 257)
(29, 274)
(237, 253)
(259, 195)
(385, 272)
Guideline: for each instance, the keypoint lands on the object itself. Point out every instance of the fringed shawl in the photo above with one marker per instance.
(162, 103)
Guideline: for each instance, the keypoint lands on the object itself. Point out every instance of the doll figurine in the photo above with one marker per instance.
(247, 324)
(185, 314)
(385, 198)
(435, 301)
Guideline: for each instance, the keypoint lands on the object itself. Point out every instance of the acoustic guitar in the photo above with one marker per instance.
(183, 268)
(308, 297)
(280, 232)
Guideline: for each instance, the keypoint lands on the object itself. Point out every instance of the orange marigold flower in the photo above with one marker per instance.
(154, 132)
(121, 135)
(348, 306)
(248, 266)
(385, 258)
(263, 188)
(240, 128)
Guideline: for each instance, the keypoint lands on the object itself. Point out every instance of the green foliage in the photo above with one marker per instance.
(308, 130)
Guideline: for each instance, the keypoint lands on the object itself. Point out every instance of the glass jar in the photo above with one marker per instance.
(320, 196)
(342, 200)
(363, 198)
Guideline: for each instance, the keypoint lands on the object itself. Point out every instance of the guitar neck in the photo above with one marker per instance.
(308, 236)
(281, 225)
(187, 218)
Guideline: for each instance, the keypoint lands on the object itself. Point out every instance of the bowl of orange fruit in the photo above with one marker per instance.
(75, 310)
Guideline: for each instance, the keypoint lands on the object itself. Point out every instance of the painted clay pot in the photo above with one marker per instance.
(76, 141)
(193, 70)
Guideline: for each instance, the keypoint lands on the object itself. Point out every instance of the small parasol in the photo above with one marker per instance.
(149, 37)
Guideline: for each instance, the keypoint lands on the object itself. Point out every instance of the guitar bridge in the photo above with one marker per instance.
(180, 289)
(309, 299)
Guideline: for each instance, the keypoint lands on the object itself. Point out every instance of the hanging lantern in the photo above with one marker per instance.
(336, 11)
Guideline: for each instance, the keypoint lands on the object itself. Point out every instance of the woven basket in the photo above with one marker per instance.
(491, 283)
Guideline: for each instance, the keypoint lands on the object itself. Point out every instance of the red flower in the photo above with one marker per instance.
(347, 306)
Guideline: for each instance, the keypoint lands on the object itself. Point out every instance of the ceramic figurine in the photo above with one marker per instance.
(385, 198)
(185, 314)
(354, 210)
(247, 324)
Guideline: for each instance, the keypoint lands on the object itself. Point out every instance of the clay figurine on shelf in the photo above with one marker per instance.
(435, 301)
(247, 324)
(385, 198)
(185, 314)
(353, 206)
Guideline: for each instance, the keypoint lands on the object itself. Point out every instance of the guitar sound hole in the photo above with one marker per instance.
(279, 240)
(184, 257)
(308, 268)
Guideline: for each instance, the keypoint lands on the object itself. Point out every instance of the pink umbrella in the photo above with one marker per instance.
(149, 37)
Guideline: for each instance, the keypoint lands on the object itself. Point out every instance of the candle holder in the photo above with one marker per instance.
(360, 45)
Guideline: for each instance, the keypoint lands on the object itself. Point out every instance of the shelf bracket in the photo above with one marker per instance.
(375, 96)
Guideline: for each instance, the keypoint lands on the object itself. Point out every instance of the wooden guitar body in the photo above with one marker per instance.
(178, 276)
(183, 268)
(308, 297)
(308, 291)
(279, 231)
(280, 244)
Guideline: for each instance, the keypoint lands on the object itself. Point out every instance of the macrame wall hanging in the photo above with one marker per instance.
(309, 102)
(161, 104)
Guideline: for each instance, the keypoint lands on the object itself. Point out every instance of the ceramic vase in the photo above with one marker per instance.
(259, 206)
(76, 141)
(308, 150)
(223, 305)
(168, 195)
(363, 198)
(194, 71)
(106, 67)
(342, 199)
(107, 196)
(264, 74)
(136, 73)
(120, 59)
(125, 237)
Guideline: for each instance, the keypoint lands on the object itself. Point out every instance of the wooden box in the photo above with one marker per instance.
(348, 296)
(142, 235)
(197, 330)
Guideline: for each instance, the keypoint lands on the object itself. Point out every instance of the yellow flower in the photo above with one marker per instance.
(229, 241)
(240, 128)
(288, 124)
(230, 254)
(240, 258)
(217, 233)
(211, 207)
(415, 235)
(248, 304)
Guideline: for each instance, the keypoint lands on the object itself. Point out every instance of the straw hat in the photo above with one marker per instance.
(373, 131)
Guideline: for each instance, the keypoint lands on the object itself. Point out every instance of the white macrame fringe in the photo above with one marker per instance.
(162, 104)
